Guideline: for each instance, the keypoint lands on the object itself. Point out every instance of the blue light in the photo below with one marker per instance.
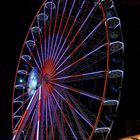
(32, 81)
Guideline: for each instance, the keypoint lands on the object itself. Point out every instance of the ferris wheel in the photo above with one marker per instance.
(70, 70)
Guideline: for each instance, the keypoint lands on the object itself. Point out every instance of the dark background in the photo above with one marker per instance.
(16, 17)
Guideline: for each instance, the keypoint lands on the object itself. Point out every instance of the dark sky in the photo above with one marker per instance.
(129, 13)
(129, 109)
(16, 17)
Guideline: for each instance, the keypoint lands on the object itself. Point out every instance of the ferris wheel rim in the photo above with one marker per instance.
(107, 67)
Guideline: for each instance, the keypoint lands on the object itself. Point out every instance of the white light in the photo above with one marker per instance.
(21, 80)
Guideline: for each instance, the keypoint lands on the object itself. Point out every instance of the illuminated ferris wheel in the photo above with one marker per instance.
(69, 74)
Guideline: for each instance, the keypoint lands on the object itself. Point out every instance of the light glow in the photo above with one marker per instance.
(32, 81)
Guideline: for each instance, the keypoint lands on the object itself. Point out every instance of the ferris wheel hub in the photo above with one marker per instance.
(47, 78)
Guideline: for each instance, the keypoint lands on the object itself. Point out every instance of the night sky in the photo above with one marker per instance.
(16, 17)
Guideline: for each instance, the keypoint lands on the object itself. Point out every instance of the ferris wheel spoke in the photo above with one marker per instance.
(82, 109)
(81, 131)
(35, 40)
(21, 106)
(77, 120)
(22, 95)
(28, 63)
(81, 127)
(71, 120)
(50, 116)
(87, 94)
(17, 125)
(49, 36)
(45, 41)
(46, 115)
(38, 66)
(61, 21)
(58, 46)
(42, 114)
(80, 59)
(87, 69)
(93, 60)
(91, 33)
(26, 116)
(54, 29)
(40, 39)
(93, 63)
(58, 123)
(83, 76)
(39, 114)
(45, 38)
(78, 31)
(29, 125)
(34, 126)
(58, 32)
(73, 108)
(77, 123)
(64, 116)
(39, 58)
(77, 15)
(71, 30)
